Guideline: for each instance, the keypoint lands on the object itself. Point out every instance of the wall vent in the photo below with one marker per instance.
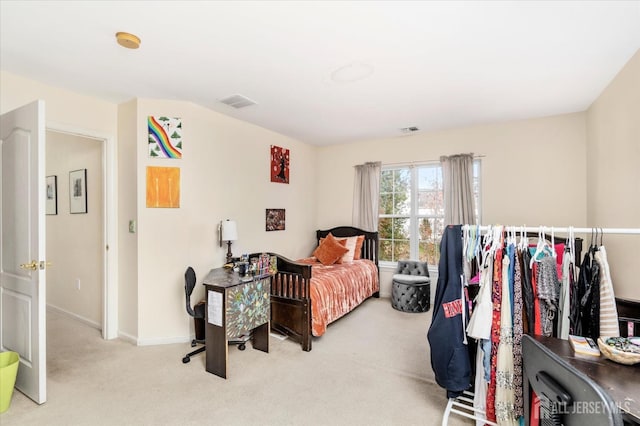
(237, 101)
(409, 129)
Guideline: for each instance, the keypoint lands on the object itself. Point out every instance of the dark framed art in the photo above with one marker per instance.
(275, 220)
(52, 195)
(78, 191)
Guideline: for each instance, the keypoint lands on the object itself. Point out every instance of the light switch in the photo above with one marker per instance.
(132, 226)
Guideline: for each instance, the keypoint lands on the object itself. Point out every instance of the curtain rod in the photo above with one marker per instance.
(562, 229)
(411, 163)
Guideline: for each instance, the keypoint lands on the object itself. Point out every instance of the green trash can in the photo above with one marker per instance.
(9, 362)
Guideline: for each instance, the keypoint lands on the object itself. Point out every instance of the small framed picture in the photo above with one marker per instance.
(78, 191)
(52, 195)
(275, 220)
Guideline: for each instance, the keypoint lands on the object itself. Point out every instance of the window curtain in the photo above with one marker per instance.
(457, 173)
(366, 196)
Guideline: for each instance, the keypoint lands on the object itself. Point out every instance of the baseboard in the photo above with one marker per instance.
(77, 317)
(127, 338)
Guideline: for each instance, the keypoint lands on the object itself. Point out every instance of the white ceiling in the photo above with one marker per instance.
(436, 65)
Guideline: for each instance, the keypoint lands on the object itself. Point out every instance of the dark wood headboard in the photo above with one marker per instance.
(370, 246)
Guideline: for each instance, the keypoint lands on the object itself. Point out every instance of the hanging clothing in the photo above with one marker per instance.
(449, 353)
(564, 310)
(480, 328)
(480, 385)
(537, 324)
(578, 292)
(547, 291)
(496, 299)
(524, 258)
(518, 409)
(590, 302)
(608, 311)
(480, 322)
(505, 396)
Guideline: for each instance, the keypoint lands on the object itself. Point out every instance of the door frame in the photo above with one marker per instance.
(110, 223)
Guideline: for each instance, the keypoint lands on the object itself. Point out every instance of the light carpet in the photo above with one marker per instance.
(370, 368)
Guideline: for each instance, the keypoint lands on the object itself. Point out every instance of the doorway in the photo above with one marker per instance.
(81, 245)
(75, 221)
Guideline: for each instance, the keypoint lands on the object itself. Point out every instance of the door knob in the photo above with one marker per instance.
(33, 265)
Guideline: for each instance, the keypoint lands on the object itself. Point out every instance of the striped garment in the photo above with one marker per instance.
(608, 312)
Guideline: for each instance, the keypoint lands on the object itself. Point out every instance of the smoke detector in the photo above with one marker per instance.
(237, 101)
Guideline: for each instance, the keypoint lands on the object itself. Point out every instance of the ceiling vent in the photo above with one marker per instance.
(409, 129)
(237, 101)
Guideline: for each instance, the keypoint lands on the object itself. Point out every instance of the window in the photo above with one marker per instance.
(411, 219)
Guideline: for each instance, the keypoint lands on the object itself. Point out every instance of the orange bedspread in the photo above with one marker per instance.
(337, 289)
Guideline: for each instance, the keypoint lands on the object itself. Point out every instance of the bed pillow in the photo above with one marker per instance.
(350, 245)
(330, 250)
(354, 244)
(358, 249)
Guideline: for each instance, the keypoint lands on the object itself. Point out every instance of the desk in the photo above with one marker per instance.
(621, 382)
(234, 308)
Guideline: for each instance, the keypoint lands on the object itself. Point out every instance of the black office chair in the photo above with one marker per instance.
(567, 396)
(197, 312)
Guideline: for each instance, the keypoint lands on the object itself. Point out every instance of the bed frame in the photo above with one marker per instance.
(290, 292)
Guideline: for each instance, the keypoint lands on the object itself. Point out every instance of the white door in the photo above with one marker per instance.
(22, 252)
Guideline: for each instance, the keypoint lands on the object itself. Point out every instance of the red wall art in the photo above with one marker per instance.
(279, 164)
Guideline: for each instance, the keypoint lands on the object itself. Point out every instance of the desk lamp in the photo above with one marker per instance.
(228, 233)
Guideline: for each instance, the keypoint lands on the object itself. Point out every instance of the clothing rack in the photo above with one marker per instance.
(563, 230)
(463, 404)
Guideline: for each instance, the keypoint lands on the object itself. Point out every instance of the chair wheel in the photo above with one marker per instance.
(193, 343)
(242, 346)
(186, 359)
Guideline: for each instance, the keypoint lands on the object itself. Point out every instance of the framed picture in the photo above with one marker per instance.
(163, 187)
(52, 195)
(279, 164)
(275, 220)
(78, 191)
(165, 137)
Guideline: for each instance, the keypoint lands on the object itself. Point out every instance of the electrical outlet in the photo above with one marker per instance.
(132, 226)
(78, 284)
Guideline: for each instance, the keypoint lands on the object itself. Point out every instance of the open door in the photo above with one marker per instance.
(22, 252)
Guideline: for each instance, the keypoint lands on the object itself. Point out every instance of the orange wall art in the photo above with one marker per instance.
(163, 187)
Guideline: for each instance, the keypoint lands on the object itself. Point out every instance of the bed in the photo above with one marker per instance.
(306, 296)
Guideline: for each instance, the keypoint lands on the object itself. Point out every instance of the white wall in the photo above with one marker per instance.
(75, 241)
(533, 171)
(613, 164)
(127, 210)
(224, 175)
(62, 107)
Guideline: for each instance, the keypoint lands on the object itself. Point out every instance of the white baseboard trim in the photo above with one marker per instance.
(77, 317)
(127, 338)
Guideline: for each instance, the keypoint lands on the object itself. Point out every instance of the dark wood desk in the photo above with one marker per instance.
(234, 308)
(621, 382)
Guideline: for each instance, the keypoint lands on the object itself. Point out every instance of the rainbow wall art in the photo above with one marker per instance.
(165, 137)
